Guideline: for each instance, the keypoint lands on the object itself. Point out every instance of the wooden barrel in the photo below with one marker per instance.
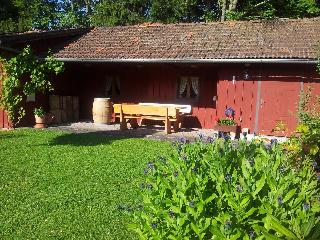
(102, 110)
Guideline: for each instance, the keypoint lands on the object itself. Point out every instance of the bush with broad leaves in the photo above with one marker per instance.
(222, 191)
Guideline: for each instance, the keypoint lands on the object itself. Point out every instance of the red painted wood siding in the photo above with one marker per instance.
(240, 94)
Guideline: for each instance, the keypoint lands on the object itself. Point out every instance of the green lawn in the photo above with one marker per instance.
(56, 185)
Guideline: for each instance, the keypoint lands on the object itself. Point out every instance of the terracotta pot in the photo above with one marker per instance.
(40, 121)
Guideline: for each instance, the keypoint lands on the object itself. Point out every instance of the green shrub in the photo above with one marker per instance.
(305, 143)
(222, 191)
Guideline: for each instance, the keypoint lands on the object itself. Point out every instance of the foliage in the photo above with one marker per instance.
(23, 15)
(305, 144)
(23, 75)
(124, 12)
(70, 186)
(280, 126)
(226, 122)
(39, 112)
(222, 191)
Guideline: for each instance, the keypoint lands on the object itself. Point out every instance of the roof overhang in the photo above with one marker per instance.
(191, 61)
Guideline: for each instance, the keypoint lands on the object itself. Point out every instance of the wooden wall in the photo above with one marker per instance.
(264, 95)
(261, 95)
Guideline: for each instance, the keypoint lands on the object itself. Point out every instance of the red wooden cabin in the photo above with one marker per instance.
(256, 67)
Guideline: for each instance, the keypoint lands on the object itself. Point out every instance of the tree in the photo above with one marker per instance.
(119, 12)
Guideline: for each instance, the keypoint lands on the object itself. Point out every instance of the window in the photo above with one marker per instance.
(188, 88)
(112, 86)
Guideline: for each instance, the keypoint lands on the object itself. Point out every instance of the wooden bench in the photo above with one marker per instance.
(126, 112)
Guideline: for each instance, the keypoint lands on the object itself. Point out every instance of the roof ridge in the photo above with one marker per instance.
(159, 24)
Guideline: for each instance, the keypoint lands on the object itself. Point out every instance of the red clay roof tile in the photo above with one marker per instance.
(277, 39)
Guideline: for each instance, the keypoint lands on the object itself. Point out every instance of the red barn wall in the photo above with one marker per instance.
(278, 97)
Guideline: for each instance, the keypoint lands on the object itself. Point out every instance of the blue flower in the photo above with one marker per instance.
(149, 186)
(252, 234)
(318, 177)
(201, 136)
(314, 164)
(280, 200)
(182, 140)
(145, 171)
(306, 206)
(171, 214)
(154, 225)
(142, 185)
(228, 177)
(195, 169)
(150, 165)
(273, 141)
(191, 203)
(210, 139)
(229, 112)
(175, 174)
(282, 169)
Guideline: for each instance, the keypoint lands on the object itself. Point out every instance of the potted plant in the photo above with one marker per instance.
(228, 125)
(40, 117)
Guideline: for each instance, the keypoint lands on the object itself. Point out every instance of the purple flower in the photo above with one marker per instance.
(150, 165)
(280, 200)
(314, 164)
(195, 170)
(191, 203)
(273, 141)
(318, 177)
(201, 136)
(252, 234)
(306, 206)
(175, 174)
(210, 139)
(171, 214)
(145, 171)
(228, 177)
(154, 225)
(229, 112)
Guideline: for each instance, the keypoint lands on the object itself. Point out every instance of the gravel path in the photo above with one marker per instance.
(152, 132)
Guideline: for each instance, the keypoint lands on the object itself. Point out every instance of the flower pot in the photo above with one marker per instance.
(40, 121)
(234, 129)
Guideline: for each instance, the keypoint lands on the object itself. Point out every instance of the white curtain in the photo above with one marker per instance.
(183, 85)
(195, 85)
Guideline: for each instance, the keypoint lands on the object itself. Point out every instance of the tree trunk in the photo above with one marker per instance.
(223, 6)
(233, 5)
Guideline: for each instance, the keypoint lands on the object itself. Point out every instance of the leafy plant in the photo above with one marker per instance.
(25, 74)
(305, 144)
(226, 122)
(280, 126)
(222, 191)
(39, 112)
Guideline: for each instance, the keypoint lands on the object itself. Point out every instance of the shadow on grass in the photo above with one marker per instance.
(100, 137)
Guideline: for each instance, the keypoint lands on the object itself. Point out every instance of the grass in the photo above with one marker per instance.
(55, 185)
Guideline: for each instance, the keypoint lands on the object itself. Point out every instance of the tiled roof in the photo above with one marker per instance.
(12, 38)
(276, 39)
